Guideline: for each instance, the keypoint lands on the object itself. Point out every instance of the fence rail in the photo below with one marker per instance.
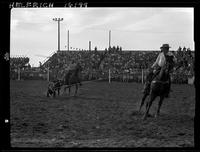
(136, 75)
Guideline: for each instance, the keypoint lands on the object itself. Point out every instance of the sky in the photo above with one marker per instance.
(34, 33)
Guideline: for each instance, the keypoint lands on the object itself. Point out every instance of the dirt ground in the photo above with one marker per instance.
(102, 115)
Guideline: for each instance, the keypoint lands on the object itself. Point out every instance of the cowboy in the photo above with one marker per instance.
(71, 68)
(157, 65)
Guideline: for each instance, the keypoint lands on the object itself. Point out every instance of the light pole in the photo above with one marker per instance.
(58, 20)
(109, 38)
(68, 40)
(109, 71)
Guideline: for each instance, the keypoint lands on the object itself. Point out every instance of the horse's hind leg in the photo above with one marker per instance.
(54, 93)
(148, 105)
(58, 91)
(159, 105)
(76, 90)
(142, 102)
(48, 93)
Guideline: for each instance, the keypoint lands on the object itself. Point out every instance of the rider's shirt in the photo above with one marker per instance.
(160, 61)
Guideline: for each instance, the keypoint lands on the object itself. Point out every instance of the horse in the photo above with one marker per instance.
(72, 78)
(159, 86)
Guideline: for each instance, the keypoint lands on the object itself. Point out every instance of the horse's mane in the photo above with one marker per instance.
(170, 61)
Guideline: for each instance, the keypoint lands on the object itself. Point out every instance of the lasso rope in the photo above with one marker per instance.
(67, 86)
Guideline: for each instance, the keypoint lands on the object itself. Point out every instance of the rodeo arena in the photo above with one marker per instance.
(103, 98)
(103, 107)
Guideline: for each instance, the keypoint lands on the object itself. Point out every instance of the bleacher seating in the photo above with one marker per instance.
(96, 64)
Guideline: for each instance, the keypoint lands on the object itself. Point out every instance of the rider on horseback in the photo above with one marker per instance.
(71, 69)
(156, 67)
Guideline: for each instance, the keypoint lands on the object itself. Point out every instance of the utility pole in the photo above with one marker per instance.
(89, 45)
(58, 20)
(68, 40)
(109, 71)
(109, 38)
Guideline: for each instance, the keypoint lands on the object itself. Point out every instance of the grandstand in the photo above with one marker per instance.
(121, 65)
(126, 65)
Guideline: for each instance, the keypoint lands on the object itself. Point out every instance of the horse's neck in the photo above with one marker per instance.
(161, 73)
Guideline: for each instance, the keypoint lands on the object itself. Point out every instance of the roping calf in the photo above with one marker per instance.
(53, 87)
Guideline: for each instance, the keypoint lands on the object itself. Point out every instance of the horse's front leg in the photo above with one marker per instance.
(159, 105)
(148, 106)
(142, 102)
(69, 90)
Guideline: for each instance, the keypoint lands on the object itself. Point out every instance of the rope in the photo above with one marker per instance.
(67, 86)
(163, 82)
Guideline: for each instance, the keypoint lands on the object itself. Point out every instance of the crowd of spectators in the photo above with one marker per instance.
(97, 63)
(186, 58)
(17, 64)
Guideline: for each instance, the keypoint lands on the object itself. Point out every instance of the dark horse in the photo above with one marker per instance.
(159, 86)
(72, 78)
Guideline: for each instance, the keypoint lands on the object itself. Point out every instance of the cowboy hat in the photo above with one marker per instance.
(165, 46)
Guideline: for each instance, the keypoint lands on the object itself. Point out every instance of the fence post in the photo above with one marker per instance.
(18, 73)
(142, 76)
(109, 76)
(48, 74)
